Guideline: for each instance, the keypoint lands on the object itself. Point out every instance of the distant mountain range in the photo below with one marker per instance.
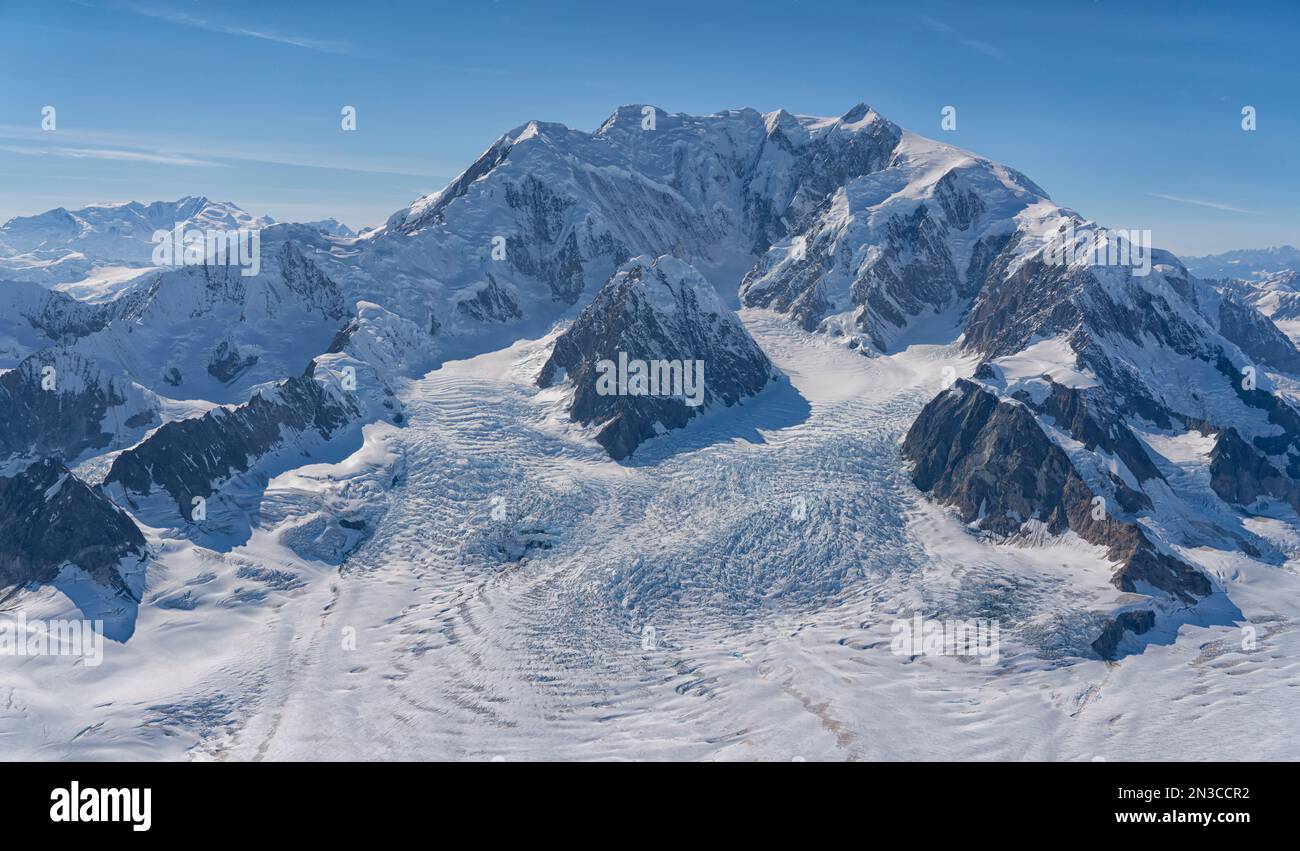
(1245, 263)
(66, 246)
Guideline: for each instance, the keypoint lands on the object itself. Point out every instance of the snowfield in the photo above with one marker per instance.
(496, 604)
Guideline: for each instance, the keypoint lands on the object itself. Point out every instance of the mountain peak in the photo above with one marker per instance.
(666, 281)
(628, 115)
(856, 113)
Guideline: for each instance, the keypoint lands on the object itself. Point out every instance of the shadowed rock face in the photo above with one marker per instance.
(48, 316)
(49, 518)
(990, 459)
(574, 206)
(654, 310)
(313, 289)
(228, 363)
(1256, 335)
(913, 272)
(1086, 417)
(917, 238)
(1038, 299)
(1280, 413)
(490, 304)
(189, 458)
(1136, 622)
(58, 403)
(1240, 474)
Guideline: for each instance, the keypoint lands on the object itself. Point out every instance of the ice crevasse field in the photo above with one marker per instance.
(500, 608)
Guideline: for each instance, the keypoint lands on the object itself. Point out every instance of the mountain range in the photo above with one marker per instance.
(1142, 417)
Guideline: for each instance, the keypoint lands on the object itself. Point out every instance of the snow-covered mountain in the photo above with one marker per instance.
(191, 460)
(1246, 263)
(63, 245)
(119, 231)
(331, 227)
(1276, 296)
(915, 236)
(1263, 278)
(926, 385)
(547, 214)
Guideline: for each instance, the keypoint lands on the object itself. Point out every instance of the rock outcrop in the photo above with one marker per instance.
(990, 460)
(49, 518)
(192, 458)
(663, 315)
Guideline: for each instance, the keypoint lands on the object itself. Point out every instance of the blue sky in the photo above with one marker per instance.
(1129, 113)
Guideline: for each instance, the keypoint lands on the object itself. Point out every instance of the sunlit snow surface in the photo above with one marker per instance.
(773, 623)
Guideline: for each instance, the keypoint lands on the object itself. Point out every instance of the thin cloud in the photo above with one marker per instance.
(990, 50)
(183, 152)
(1213, 205)
(109, 154)
(186, 20)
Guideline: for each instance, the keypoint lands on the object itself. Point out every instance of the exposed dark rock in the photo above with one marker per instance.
(1038, 300)
(189, 458)
(660, 310)
(1256, 335)
(986, 251)
(1137, 622)
(911, 274)
(490, 304)
(1280, 413)
(1241, 474)
(1089, 420)
(990, 459)
(960, 204)
(540, 249)
(316, 291)
(796, 292)
(227, 364)
(57, 403)
(819, 167)
(897, 267)
(49, 518)
(38, 317)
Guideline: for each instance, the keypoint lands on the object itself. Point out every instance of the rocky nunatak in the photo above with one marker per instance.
(990, 460)
(661, 315)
